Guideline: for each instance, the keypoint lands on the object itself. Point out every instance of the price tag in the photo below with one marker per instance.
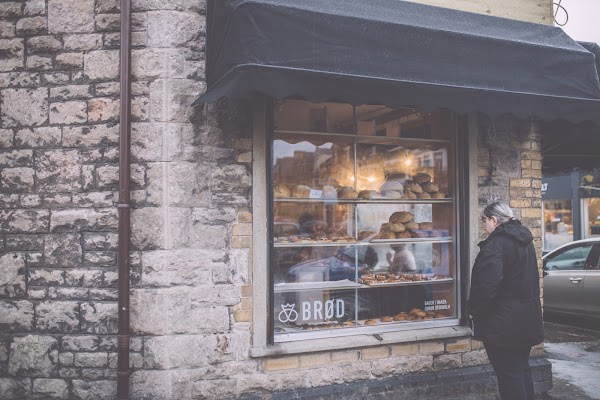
(315, 194)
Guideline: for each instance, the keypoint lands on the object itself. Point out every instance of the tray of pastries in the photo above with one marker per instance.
(400, 279)
(401, 225)
(416, 314)
(298, 240)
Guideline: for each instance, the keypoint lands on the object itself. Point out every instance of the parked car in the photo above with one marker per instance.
(572, 279)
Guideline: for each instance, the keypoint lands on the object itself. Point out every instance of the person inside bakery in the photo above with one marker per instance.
(504, 300)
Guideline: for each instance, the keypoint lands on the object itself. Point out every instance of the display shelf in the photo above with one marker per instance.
(365, 138)
(346, 284)
(372, 242)
(447, 200)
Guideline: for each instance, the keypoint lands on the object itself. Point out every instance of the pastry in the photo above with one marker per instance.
(371, 322)
(329, 192)
(422, 178)
(381, 277)
(430, 187)
(414, 187)
(423, 195)
(400, 317)
(418, 313)
(386, 319)
(393, 186)
(392, 194)
(438, 195)
(346, 192)
(366, 235)
(401, 217)
(403, 235)
(280, 191)
(368, 194)
(425, 226)
(395, 227)
(300, 191)
(419, 234)
(398, 177)
(385, 227)
(386, 235)
(409, 195)
(348, 323)
(412, 225)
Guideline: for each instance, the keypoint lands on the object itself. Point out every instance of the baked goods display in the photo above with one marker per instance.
(309, 239)
(378, 279)
(401, 225)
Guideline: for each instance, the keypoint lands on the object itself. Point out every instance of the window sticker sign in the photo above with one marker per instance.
(311, 310)
(434, 305)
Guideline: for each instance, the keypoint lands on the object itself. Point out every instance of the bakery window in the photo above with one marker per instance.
(363, 220)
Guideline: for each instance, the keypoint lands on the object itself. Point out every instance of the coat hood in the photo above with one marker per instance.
(513, 229)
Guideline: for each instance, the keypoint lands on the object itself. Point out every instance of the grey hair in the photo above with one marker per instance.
(500, 210)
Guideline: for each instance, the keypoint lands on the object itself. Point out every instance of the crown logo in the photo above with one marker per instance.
(288, 313)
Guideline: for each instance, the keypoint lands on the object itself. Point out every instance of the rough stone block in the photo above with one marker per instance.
(173, 29)
(166, 352)
(83, 42)
(92, 135)
(25, 242)
(101, 64)
(100, 241)
(44, 44)
(147, 228)
(55, 78)
(24, 221)
(10, 9)
(170, 100)
(103, 109)
(188, 184)
(475, 357)
(17, 179)
(95, 199)
(58, 170)
(80, 343)
(38, 137)
(69, 61)
(15, 388)
(94, 389)
(12, 54)
(16, 315)
(33, 355)
(178, 267)
(70, 112)
(50, 389)
(63, 250)
(231, 178)
(12, 275)
(84, 219)
(154, 385)
(99, 318)
(16, 158)
(28, 107)
(46, 277)
(91, 360)
(7, 29)
(6, 138)
(108, 22)
(30, 200)
(57, 317)
(70, 16)
(31, 26)
(447, 361)
(38, 63)
(35, 7)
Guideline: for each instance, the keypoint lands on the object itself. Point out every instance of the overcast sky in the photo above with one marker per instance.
(584, 19)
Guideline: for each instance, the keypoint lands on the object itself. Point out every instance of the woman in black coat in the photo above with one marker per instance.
(504, 301)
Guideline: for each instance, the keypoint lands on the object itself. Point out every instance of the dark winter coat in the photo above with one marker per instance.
(504, 301)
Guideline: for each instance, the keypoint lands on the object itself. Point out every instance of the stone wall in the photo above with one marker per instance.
(191, 224)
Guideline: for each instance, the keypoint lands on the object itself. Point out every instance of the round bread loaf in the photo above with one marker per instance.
(386, 235)
(422, 178)
(430, 187)
(425, 226)
(400, 317)
(419, 234)
(329, 192)
(412, 225)
(414, 187)
(368, 194)
(396, 227)
(346, 192)
(438, 195)
(366, 235)
(397, 186)
(300, 191)
(386, 319)
(423, 195)
(371, 322)
(391, 194)
(401, 217)
(410, 195)
(403, 235)
(385, 227)
(280, 191)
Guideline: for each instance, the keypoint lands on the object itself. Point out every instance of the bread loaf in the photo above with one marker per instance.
(401, 217)
(422, 178)
(281, 191)
(423, 195)
(425, 226)
(346, 192)
(391, 194)
(368, 194)
(438, 195)
(415, 188)
(430, 187)
(300, 191)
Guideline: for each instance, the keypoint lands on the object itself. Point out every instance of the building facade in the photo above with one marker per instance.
(195, 280)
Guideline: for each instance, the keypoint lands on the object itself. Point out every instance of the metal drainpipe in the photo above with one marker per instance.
(123, 206)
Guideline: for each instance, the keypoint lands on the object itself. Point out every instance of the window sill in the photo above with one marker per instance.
(357, 341)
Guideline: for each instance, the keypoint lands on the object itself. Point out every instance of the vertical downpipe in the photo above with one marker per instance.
(123, 206)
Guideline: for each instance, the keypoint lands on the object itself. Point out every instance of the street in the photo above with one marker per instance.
(574, 351)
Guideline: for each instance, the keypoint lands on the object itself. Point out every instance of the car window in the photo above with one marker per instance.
(571, 258)
(594, 260)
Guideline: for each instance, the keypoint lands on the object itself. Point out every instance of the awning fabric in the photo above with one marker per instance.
(399, 54)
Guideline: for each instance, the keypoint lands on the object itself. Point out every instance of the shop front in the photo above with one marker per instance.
(379, 131)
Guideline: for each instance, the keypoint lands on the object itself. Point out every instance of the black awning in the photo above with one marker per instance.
(399, 54)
